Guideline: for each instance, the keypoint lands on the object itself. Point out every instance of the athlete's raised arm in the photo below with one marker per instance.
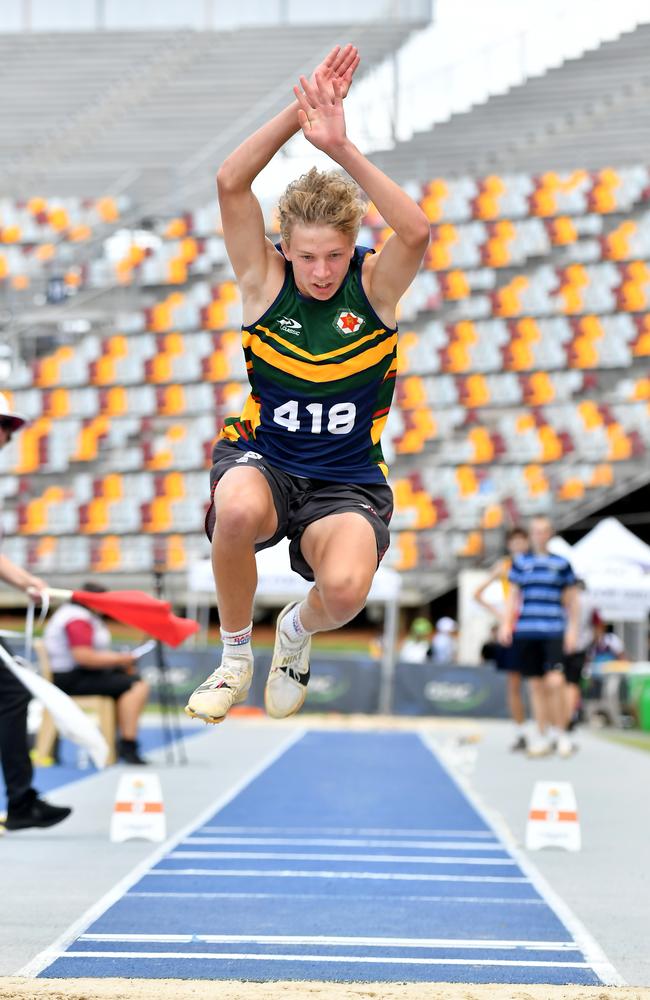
(390, 273)
(242, 221)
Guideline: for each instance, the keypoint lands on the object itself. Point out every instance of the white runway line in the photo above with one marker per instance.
(329, 941)
(589, 947)
(384, 859)
(348, 831)
(345, 959)
(55, 950)
(282, 873)
(422, 845)
(498, 900)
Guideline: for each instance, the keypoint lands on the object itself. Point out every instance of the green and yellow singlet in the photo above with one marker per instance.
(322, 375)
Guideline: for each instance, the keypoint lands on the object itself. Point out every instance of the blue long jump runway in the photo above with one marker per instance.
(353, 857)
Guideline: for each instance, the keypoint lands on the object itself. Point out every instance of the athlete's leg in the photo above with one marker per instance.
(244, 514)
(515, 699)
(555, 686)
(341, 549)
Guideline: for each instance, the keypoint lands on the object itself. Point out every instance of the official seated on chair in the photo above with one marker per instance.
(78, 645)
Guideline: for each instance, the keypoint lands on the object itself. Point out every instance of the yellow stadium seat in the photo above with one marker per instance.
(408, 551)
(571, 489)
(536, 480)
(466, 481)
(602, 475)
(113, 486)
(58, 403)
(108, 555)
(160, 515)
(620, 446)
(482, 444)
(175, 552)
(412, 392)
(473, 546)
(426, 514)
(174, 484)
(550, 443)
(541, 389)
(176, 228)
(97, 516)
(11, 234)
(117, 401)
(107, 209)
(590, 414)
(432, 202)
(477, 390)
(492, 517)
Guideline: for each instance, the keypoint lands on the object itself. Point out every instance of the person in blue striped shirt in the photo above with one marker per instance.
(541, 622)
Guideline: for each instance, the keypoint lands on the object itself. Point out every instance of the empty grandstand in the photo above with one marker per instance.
(525, 339)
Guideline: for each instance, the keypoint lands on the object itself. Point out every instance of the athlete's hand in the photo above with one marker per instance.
(320, 112)
(505, 634)
(570, 643)
(340, 65)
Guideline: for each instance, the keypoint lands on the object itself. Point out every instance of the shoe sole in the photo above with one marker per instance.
(214, 720)
(33, 826)
(210, 719)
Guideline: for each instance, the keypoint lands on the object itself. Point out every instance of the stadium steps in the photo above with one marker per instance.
(160, 107)
(598, 96)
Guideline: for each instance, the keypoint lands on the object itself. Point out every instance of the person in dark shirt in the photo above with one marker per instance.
(24, 807)
(541, 622)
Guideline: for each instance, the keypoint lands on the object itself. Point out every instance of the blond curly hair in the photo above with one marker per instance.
(322, 198)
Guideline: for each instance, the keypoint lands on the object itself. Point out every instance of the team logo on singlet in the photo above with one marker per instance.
(348, 322)
(288, 325)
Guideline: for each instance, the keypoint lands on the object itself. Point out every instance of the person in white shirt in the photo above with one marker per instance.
(444, 644)
(78, 645)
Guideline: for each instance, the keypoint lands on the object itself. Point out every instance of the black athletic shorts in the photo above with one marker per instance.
(505, 658)
(112, 683)
(536, 656)
(573, 666)
(300, 501)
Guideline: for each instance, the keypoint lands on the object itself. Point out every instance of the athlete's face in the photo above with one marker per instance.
(320, 256)
(541, 532)
(517, 545)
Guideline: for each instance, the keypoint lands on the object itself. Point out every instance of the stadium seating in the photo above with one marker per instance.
(522, 390)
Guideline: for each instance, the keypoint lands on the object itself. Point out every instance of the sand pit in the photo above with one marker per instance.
(181, 989)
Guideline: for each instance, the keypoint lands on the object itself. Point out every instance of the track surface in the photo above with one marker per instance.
(353, 857)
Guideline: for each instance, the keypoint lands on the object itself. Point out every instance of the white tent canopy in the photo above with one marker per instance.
(277, 581)
(278, 584)
(615, 565)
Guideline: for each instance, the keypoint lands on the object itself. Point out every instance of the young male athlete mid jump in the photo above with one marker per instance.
(303, 459)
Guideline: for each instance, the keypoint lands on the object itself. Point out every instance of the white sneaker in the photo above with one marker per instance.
(540, 747)
(565, 745)
(286, 685)
(226, 686)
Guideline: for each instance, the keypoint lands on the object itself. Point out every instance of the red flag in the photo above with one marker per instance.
(134, 607)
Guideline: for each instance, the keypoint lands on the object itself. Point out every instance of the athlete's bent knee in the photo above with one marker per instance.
(239, 519)
(343, 596)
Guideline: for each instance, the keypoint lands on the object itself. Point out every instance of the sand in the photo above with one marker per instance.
(183, 989)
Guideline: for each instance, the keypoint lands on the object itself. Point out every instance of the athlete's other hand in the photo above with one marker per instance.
(320, 112)
(340, 65)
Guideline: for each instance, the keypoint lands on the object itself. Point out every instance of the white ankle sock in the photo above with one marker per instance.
(237, 643)
(292, 627)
